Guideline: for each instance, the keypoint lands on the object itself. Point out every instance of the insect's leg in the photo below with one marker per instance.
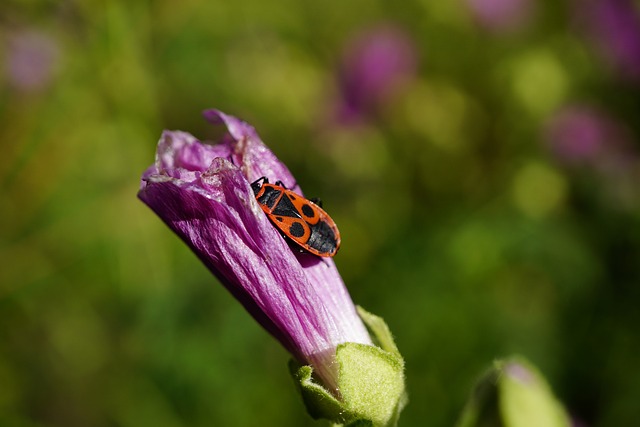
(262, 178)
(281, 184)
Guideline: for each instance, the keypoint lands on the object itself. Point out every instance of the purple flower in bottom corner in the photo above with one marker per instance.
(202, 192)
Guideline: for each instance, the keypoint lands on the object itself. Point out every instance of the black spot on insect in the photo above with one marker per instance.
(285, 208)
(308, 211)
(296, 230)
(279, 218)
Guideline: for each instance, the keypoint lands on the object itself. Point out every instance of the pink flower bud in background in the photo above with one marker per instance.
(31, 60)
(501, 15)
(585, 135)
(613, 26)
(376, 64)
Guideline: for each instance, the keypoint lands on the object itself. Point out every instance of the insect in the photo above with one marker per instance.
(301, 220)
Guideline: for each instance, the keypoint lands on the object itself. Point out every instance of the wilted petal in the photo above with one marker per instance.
(249, 153)
(181, 155)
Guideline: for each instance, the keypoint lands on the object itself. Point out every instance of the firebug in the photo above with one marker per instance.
(300, 219)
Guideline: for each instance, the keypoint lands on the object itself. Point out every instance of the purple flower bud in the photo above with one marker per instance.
(601, 145)
(375, 65)
(614, 28)
(577, 134)
(584, 135)
(501, 15)
(202, 192)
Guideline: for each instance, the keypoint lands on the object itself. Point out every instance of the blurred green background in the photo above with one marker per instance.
(483, 172)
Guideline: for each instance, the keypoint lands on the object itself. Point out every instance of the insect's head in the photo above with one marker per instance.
(257, 185)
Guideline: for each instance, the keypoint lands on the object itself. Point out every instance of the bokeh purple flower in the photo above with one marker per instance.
(584, 135)
(501, 15)
(31, 60)
(376, 64)
(202, 192)
(614, 28)
(591, 140)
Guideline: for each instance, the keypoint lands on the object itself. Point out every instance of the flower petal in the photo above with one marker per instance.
(250, 154)
(203, 193)
(323, 273)
(217, 215)
(180, 155)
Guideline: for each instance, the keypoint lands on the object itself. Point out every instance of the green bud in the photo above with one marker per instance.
(513, 394)
(370, 382)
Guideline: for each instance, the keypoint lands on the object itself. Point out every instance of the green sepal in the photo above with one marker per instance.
(370, 380)
(513, 393)
(381, 333)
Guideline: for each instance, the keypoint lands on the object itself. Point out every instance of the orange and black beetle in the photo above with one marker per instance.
(300, 219)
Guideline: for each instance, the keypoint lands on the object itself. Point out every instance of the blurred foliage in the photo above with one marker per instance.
(472, 219)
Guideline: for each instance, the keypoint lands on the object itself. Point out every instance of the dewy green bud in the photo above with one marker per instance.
(370, 381)
(513, 394)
